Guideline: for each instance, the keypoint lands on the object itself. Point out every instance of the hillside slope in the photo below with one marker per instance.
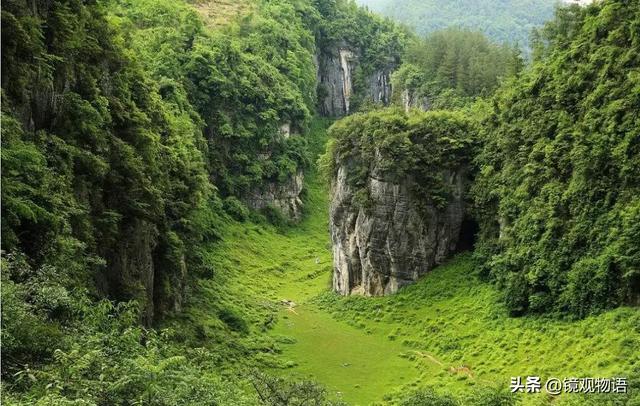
(503, 21)
(558, 176)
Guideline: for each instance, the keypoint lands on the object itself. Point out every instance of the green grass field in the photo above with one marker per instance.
(448, 331)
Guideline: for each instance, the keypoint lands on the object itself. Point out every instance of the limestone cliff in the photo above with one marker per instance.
(336, 67)
(412, 100)
(377, 251)
(284, 196)
(397, 198)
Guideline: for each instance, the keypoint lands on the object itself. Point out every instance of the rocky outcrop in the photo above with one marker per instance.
(411, 100)
(141, 266)
(285, 130)
(335, 75)
(284, 196)
(130, 267)
(335, 72)
(377, 250)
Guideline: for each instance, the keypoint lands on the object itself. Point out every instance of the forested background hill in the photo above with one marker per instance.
(509, 21)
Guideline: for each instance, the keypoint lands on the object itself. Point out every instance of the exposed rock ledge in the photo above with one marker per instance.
(284, 196)
(411, 100)
(392, 244)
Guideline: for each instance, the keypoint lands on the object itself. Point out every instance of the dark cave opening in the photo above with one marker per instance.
(468, 234)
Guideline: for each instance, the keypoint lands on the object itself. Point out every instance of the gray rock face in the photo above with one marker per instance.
(392, 244)
(335, 73)
(380, 87)
(335, 69)
(410, 100)
(284, 196)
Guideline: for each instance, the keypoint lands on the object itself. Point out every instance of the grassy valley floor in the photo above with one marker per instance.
(449, 331)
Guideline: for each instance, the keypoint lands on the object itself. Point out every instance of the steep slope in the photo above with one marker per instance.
(99, 172)
(134, 137)
(450, 68)
(398, 196)
(356, 53)
(560, 168)
(219, 13)
(129, 130)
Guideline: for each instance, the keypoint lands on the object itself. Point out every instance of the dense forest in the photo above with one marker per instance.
(504, 21)
(564, 182)
(170, 173)
(450, 68)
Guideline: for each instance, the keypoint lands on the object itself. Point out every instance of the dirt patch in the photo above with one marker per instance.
(218, 13)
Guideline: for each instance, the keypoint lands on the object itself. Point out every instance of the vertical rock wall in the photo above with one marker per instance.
(346, 65)
(284, 196)
(410, 100)
(336, 67)
(380, 87)
(395, 241)
(335, 73)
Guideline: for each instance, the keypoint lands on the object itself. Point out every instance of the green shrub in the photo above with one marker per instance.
(235, 208)
(275, 391)
(428, 397)
(233, 321)
(275, 216)
(559, 169)
(415, 145)
(452, 66)
(489, 397)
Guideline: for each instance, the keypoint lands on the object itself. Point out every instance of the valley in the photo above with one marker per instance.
(450, 331)
(305, 203)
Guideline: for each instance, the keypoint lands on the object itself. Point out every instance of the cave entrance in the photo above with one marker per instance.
(468, 234)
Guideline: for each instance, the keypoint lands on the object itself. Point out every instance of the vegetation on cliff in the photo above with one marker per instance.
(559, 169)
(557, 165)
(123, 124)
(101, 175)
(377, 45)
(449, 68)
(416, 145)
(241, 86)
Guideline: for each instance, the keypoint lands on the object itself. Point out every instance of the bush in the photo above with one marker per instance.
(275, 216)
(428, 397)
(235, 208)
(477, 397)
(415, 145)
(489, 397)
(233, 321)
(111, 360)
(559, 169)
(274, 391)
